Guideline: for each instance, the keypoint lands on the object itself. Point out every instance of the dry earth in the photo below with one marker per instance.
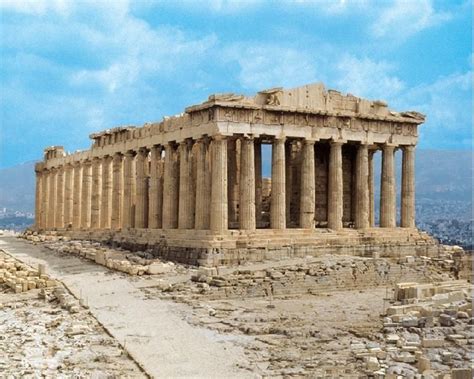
(333, 316)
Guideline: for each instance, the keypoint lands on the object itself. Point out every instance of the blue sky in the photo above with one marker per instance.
(69, 68)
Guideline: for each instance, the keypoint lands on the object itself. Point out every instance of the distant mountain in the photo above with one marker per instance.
(440, 175)
(17, 187)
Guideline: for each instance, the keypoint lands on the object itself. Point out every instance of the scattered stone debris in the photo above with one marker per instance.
(136, 263)
(20, 277)
(46, 332)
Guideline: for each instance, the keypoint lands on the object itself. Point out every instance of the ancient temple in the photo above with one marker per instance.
(190, 187)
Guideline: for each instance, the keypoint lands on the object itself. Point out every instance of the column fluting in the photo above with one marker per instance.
(52, 198)
(117, 191)
(258, 181)
(77, 195)
(387, 190)
(68, 195)
(278, 198)
(141, 208)
(247, 184)
(186, 187)
(59, 217)
(308, 186)
(155, 196)
(96, 193)
(408, 188)
(335, 189)
(38, 198)
(170, 188)
(86, 195)
(362, 220)
(219, 204)
(203, 185)
(106, 193)
(129, 190)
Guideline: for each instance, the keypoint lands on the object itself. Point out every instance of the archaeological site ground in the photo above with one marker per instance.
(165, 251)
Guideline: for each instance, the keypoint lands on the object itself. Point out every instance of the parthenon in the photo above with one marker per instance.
(191, 186)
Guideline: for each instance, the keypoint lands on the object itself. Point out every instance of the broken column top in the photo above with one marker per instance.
(310, 98)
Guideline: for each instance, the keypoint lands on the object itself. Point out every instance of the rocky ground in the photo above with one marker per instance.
(48, 333)
(330, 316)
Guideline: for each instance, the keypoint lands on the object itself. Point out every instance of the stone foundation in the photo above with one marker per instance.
(202, 248)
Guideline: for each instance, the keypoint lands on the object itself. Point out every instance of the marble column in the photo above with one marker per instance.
(170, 188)
(52, 198)
(96, 193)
(219, 205)
(129, 190)
(106, 193)
(59, 217)
(45, 199)
(141, 208)
(77, 196)
(86, 195)
(155, 194)
(371, 189)
(233, 179)
(203, 185)
(308, 186)
(278, 197)
(117, 191)
(68, 195)
(408, 188)
(335, 189)
(258, 181)
(186, 187)
(247, 185)
(362, 220)
(38, 198)
(387, 189)
(288, 180)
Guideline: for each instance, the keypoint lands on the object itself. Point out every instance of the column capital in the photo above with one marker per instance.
(143, 151)
(389, 146)
(338, 142)
(219, 137)
(309, 141)
(408, 147)
(130, 153)
(280, 138)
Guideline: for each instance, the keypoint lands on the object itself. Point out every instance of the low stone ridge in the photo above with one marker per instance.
(20, 277)
(138, 263)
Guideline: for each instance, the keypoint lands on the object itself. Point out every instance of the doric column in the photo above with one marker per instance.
(219, 205)
(141, 207)
(308, 186)
(186, 187)
(106, 193)
(45, 199)
(68, 195)
(170, 188)
(278, 197)
(408, 188)
(129, 190)
(288, 180)
(233, 179)
(52, 198)
(247, 184)
(203, 185)
(38, 198)
(86, 195)
(117, 191)
(362, 188)
(77, 196)
(371, 189)
(155, 194)
(59, 217)
(387, 188)
(96, 193)
(335, 196)
(258, 181)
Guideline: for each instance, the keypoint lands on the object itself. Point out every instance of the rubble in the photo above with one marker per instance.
(137, 263)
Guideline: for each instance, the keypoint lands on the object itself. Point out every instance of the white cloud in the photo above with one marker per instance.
(367, 78)
(37, 7)
(406, 18)
(265, 66)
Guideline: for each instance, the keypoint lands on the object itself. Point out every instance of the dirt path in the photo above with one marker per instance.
(152, 330)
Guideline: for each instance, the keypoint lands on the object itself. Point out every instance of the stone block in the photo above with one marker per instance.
(100, 258)
(432, 342)
(462, 373)
(424, 364)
